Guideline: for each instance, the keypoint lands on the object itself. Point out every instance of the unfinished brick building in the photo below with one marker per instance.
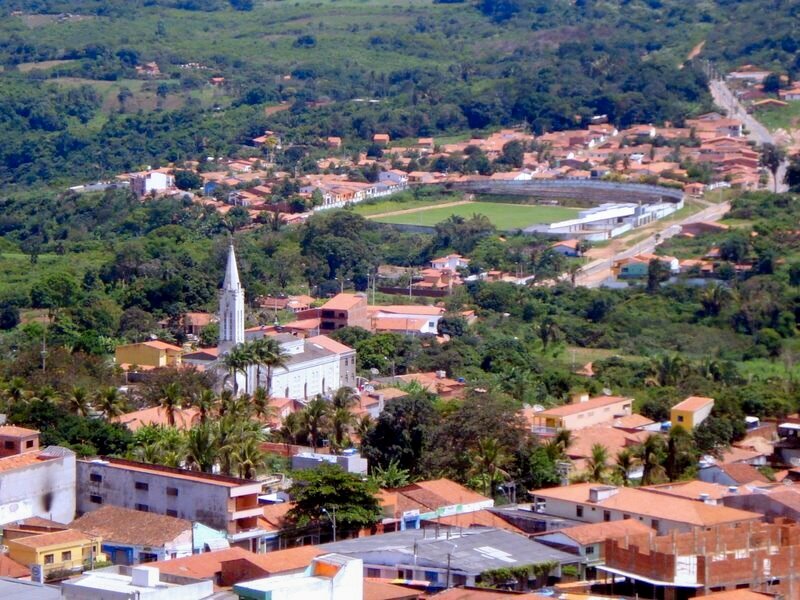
(762, 557)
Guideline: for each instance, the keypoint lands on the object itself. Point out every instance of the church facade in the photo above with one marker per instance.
(316, 365)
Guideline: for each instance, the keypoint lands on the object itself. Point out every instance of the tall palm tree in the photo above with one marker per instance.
(236, 361)
(597, 464)
(488, 463)
(206, 401)
(557, 447)
(171, 398)
(261, 407)
(345, 397)
(109, 401)
(314, 418)
(626, 460)
(364, 426)
(248, 458)
(650, 454)
(77, 401)
(667, 370)
(290, 429)
(341, 422)
(15, 390)
(201, 447)
(714, 298)
(679, 452)
(272, 356)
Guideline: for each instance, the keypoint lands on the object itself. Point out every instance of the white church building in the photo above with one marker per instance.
(314, 365)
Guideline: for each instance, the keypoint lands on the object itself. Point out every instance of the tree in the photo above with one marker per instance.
(267, 352)
(314, 419)
(792, 177)
(328, 487)
(171, 400)
(402, 433)
(109, 401)
(771, 158)
(679, 452)
(657, 272)
(390, 477)
(626, 460)
(650, 453)
(714, 298)
(488, 464)
(772, 83)
(201, 447)
(236, 362)
(187, 180)
(597, 464)
(77, 401)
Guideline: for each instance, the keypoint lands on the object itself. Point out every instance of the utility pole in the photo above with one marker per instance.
(332, 517)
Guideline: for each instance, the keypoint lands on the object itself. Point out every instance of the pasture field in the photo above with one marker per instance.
(505, 217)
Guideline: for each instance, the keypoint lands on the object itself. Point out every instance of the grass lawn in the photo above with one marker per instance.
(503, 216)
(765, 369)
(783, 117)
(404, 201)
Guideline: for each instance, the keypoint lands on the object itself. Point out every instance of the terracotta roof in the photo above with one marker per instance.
(11, 568)
(737, 454)
(207, 478)
(343, 302)
(743, 473)
(579, 407)
(378, 589)
(477, 518)
(55, 538)
(128, 526)
(410, 309)
(479, 594)
(598, 532)
(157, 344)
(612, 439)
(14, 431)
(19, 461)
(274, 515)
(329, 344)
(643, 502)
(691, 489)
(398, 324)
(440, 492)
(693, 403)
(739, 595)
(40, 522)
(304, 324)
(632, 422)
(185, 418)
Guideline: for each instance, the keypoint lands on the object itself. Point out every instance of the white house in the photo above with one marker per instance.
(451, 261)
(394, 176)
(151, 182)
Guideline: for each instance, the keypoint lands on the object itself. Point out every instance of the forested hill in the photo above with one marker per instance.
(75, 107)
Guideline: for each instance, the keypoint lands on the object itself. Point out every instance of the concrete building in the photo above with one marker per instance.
(36, 483)
(419, 319)
(760, 557)
(57, 552)
(131, 536)
(14, 589)
(351, 463)
(594, 503)
(151, 182)
(328, 577)
(16, 440)
(458, 557)
(151, 354)
(582, 412)
(222, 503)
(451, 262)
(691, 412)
(135, 583)
(344, 310)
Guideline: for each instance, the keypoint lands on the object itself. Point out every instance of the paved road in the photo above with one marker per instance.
(758, 133)
(593, 274)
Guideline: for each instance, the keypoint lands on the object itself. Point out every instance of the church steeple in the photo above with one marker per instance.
(231, 307)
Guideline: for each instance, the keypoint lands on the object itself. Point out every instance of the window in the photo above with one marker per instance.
(29, 444)
(171, 491)
(172, 513)
(95, 499)
(589, 549)
(95, 477)
(142, 507)
(67, 555)
(625, 517)
(578, 511)
(8, 445)
(655, 523)
(680, 418)
(48, 559)
(606, 515)
(141, 485)
(373, 573)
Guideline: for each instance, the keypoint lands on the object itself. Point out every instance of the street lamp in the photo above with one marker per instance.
(332, 516)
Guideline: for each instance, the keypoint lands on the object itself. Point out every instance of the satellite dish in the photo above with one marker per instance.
(374, 371)
(606, 392)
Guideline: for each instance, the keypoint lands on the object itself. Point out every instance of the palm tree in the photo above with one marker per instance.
(488, 464)
(201, 447)
(714, 298)
(364, 426)
(170, 401)
(341, 421)
(14, 391)
(267, 352)
(667, 370)
(248, 457)
(206, 401)
(290, 429)
(598, 463)
(77, 401)
(236, 361)
(109, 401)
(345, 397)
(261, 407)
(391, 477)
(626, 461)
(558, 446)
(314, 418)
(679, 452)
(650, 454)
(548, 332)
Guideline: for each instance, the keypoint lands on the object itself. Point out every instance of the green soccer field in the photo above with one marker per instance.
(503, 216)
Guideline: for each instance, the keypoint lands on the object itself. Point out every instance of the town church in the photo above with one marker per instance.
(314, 365)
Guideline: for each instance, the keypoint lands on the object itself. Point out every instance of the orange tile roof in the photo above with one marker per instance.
(343, 302)
(305, 324)
(207, 478)
(11, 568)
(274, 515)
(201, 566)
(185, 418)
(643, 502)
(691, 489)
(128, 526)
(743, 473)
(55, 538)
(19, 461)
(693, 403)
(330, 344)
(410, 309)
(477, 518)
(632, 421)
(14, 431)
(378, 589)
(448, 491)
(593, 533)
(159, 345)
(398, 324)
(480, 594)
(739, 595)
(579, 407)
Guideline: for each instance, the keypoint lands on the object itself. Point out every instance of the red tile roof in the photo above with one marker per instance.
(693, 403)
(343, 302)
(594, 533)
(14, 431)
(378, 589)
(128, 526)
(156, 415)
(579, 407)
(55, 538)
(11, 568)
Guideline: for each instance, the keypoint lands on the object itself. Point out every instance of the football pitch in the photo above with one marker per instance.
(505, 217)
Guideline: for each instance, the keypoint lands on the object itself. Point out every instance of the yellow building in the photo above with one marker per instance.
(67, 550)
(152, 354)
(691, 412)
